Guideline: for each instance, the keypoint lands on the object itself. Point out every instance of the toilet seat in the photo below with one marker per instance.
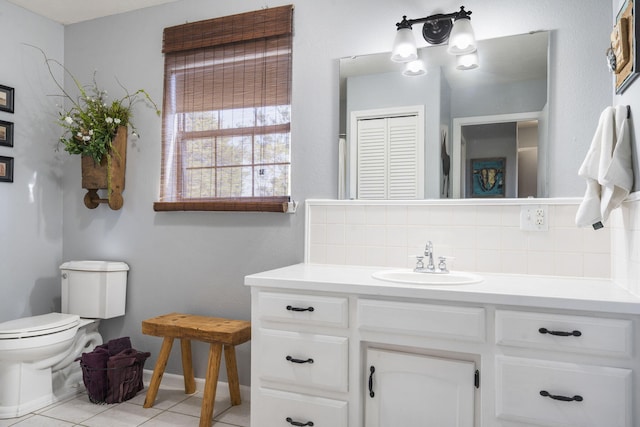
(34, 326)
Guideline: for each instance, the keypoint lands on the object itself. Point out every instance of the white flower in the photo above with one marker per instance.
(90, 131)
(108, 120)
(117, 121)
(86, 138)
(68, 119)
(79, 134)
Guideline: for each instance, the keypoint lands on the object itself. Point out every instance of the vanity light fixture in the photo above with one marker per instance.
(414, 68)
(468, 61)
(437, 29)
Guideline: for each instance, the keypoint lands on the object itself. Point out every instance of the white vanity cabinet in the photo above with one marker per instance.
(572, 380)
(513, 351)
(300, 349)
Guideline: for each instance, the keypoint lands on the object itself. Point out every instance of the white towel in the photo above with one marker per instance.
(617, 178)
(607, 168)
(589, 210)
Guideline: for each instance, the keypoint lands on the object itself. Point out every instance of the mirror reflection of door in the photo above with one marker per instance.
(386, 150)
(516, 142)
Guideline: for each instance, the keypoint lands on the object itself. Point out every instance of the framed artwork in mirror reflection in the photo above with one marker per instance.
(6, 98)
(6, 169)
(624, 51)
(488, 177)
(6, 134)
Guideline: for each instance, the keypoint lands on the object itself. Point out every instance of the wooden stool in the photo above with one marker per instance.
(217, 332)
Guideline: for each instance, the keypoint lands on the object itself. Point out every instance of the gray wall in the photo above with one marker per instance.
(30, 207)
(195, 262)
(520, 97)
(630, 97)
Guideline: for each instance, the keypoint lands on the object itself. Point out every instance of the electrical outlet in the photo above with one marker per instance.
(539, 216)
(534, 218)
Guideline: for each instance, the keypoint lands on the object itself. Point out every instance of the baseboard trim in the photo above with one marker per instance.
(177, 381)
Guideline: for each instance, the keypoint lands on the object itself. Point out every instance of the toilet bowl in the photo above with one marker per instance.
(38, 354)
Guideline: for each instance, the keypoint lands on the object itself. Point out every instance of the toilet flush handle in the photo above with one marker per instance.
(64, 275)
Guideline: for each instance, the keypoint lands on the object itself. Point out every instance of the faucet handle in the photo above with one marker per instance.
(419, 263)
(442, 264)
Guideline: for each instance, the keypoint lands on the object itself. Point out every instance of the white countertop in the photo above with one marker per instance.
(598, 295)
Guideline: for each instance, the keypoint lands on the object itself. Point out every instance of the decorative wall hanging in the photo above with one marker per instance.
(624, 52)
(96, 128)
(6, 169)
(108, 174)
(6, 98)
(488, 177)
(6, 134)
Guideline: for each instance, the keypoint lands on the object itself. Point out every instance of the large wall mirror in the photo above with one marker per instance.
(482, 132)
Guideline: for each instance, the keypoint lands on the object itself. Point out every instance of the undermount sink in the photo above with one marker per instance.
(409, 276)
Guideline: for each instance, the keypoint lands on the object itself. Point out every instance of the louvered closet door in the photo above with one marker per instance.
(388, 161)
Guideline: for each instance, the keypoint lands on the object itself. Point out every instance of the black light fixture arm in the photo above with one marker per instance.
(436, 27)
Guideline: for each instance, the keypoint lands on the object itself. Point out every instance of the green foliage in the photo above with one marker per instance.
(91, 123)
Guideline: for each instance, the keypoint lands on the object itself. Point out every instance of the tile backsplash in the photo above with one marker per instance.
(479, 236)
(625, 224)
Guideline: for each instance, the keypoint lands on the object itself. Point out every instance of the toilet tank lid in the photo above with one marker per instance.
(95, 266)
(38, 325)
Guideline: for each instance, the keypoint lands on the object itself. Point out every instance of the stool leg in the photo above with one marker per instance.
(210, 384)
(158, 370)
(187, 367)
(232, 374)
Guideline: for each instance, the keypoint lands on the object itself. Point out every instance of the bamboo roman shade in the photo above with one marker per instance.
(226, 112)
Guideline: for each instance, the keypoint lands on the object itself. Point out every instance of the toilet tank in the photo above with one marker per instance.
(94, 289)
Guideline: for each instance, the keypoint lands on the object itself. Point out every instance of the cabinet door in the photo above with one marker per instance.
(406, 389)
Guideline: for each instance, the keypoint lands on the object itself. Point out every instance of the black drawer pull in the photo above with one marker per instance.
(576, 398)
(560, 333)
(292, 360)
(292, 308)
(372, 369)
(299, 424)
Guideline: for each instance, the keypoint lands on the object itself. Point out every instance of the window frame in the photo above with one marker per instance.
(216, 33)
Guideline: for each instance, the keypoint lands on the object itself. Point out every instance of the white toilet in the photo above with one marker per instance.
(37, 354)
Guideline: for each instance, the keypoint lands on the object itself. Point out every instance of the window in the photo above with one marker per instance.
(227, 113)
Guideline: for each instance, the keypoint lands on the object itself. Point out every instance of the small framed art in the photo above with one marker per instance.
(6, 134)
(6, 169)
(6, 98)
(624, 46)
(487, 177)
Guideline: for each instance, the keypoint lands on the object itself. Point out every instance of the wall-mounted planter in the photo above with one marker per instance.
(108, 175)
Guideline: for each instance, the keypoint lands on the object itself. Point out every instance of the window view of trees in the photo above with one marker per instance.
(241, 152)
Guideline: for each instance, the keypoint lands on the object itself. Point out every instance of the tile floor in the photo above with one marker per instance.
(172, 408)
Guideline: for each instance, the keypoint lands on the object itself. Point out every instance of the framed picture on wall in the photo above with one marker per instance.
(488, 177)
(6, 169)
(624, 46)
(6, 98)
(6, 133)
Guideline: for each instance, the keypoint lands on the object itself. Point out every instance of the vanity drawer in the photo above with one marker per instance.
(306, 360)
(586, 335)
(466, 323)
(277, 408)
(605, 393)
(304, 309)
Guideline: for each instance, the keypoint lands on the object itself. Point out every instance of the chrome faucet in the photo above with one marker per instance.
(428, 252)
(430, 267)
